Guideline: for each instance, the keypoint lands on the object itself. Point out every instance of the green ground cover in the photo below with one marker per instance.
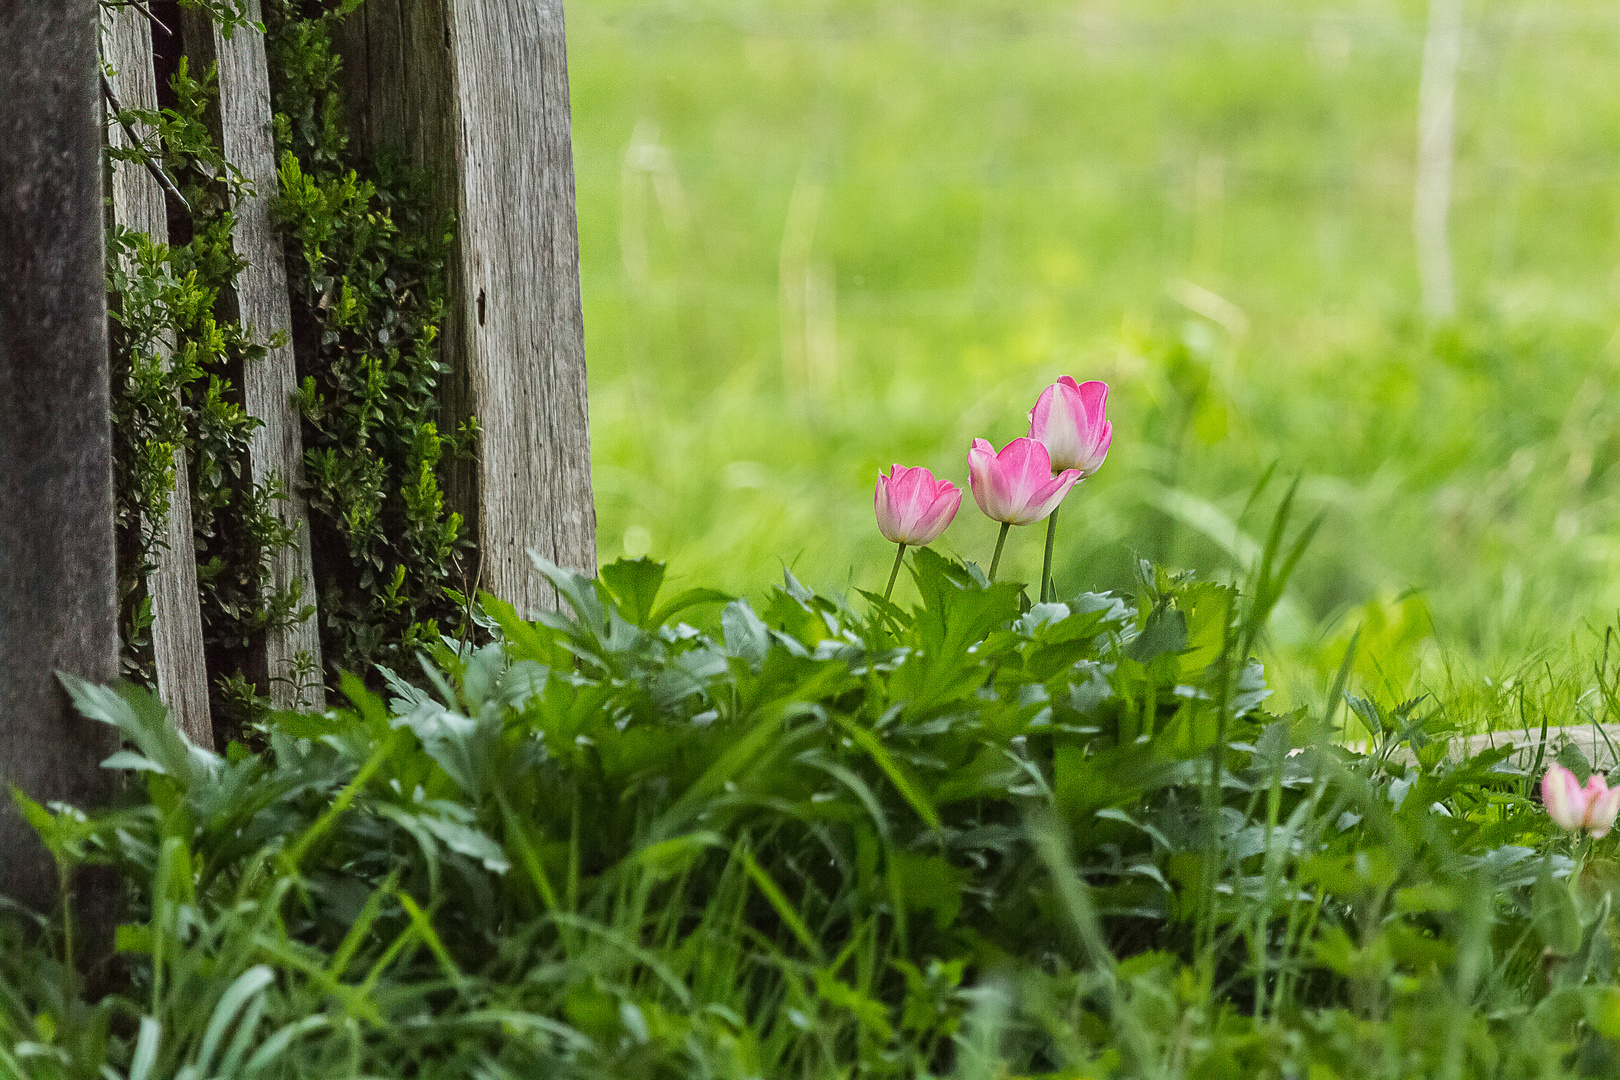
(944, 839)
(821, 237)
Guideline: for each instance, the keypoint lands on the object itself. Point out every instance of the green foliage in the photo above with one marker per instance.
(176, 356)
(962, 839)
(366, 269)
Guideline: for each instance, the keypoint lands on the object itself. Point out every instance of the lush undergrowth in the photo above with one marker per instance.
(973, 838)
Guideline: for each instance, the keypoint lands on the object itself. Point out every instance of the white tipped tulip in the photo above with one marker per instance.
(1602, 802)
(1573, 807)
(1069, 421)
(912, 507)
(1016, 486)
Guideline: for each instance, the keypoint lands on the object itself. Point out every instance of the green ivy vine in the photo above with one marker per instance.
(366, 268)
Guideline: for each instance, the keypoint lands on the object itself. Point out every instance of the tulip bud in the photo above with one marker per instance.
(912, 507)
(1016, 485)
(1068, 420)
(1561, 794)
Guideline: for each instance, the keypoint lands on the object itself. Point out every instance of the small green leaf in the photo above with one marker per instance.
(682, 601)
(634, 583)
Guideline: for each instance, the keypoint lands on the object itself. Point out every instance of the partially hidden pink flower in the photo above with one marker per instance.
(1561, 794)
(1573, 807)
(1017, 485)
(1068, 419)
(913, 507)
(1602, 802)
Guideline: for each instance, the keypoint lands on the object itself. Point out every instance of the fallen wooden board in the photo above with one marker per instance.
(137, 203)
(1598, 742)
(276, 450)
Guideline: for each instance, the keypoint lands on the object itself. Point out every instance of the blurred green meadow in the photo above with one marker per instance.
(820, 237)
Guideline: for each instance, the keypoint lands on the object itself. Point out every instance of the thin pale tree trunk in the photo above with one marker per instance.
(1431, 206)
(292, 655)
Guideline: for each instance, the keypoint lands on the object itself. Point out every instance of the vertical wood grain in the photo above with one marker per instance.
(58, 570)
(137, 203)
(276, 451)
(475, 92)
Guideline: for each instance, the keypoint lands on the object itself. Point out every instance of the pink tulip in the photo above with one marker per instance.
(1573, 807)
(1602, 802)
(1068, 420)
(912, 507)
(1016, 486)
(1561, 794)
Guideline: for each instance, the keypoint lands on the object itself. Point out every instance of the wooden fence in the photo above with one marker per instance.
(476, 93)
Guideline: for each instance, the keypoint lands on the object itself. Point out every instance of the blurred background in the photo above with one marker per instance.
(820, 237)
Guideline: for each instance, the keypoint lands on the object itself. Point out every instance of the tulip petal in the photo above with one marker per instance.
(939, 516)
(911, 492)
(981, 464)
(1051, 495)
(1094, 399)
(1601, 811)
(1034, 467)
(1005, 477)
(885, 513)
(1563, 798)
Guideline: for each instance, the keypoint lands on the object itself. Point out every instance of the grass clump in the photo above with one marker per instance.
(972, 838)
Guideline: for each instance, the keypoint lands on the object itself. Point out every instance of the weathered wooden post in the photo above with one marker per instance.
(475, 92)
(137, 203)
(58, 574)
(276, 451)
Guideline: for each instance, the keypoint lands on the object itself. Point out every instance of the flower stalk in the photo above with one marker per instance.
(1048, 590)
(995, 560)
(898, 556)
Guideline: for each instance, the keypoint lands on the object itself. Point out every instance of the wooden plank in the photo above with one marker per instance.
(137, 203)
(276, 451)
(476, 93)
(1598, 742)
(58, 568)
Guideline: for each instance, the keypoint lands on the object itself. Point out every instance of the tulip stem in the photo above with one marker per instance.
(1048, 590)
(995, 560)
(898, 555)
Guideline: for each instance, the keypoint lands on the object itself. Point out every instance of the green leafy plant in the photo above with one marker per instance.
(366, 262)
(366, 268)
(801, 839)
(176, 355)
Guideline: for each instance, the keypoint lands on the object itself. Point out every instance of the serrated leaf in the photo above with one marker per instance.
(747, 636)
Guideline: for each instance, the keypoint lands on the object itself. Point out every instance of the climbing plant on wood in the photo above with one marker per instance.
(365, 262)
(366, 267)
